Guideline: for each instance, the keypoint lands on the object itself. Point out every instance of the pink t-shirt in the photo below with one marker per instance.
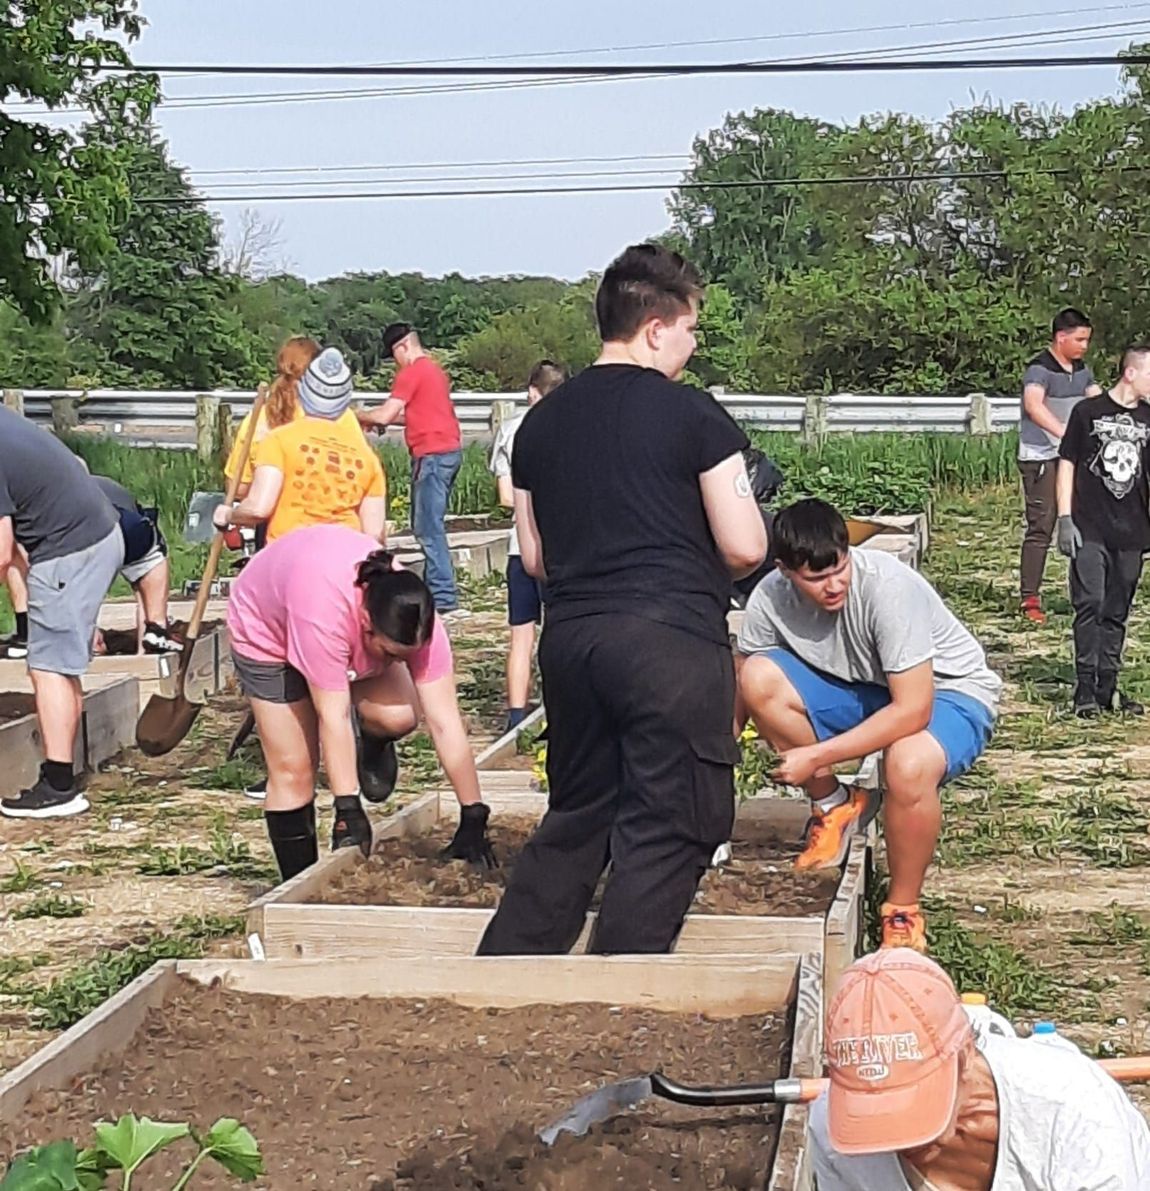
(297, 602)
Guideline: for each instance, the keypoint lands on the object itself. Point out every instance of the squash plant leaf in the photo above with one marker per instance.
(235, 1149)
(132, 1139)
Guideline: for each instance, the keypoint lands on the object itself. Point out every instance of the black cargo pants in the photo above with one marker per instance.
(640, 756)
(1103, 582)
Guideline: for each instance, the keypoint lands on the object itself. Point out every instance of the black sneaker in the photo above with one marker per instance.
(377, 765)
(157, 639)
(1110, 698)
(351, 829)
(42, 801)
(1085, 702)
(17, 647)
(257, 790)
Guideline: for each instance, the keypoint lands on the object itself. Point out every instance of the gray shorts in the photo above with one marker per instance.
(64, 598)
(273, 682)
(133, 572)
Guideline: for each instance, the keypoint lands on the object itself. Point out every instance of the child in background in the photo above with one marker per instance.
(524, 594)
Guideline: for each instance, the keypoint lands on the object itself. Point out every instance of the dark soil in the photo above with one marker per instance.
(429, 1096)
(14, 706)
(759, 879)
(122, 642)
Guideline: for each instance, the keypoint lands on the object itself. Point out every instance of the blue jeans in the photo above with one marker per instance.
(432, 478)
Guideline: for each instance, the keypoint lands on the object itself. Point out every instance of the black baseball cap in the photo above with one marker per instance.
(393, 334)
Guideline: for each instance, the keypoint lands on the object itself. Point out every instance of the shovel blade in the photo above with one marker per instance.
(164, 722)
(598, 1106)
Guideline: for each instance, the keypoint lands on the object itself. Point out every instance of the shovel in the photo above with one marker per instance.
(166, 720)
(628, 1094)
(241, 736)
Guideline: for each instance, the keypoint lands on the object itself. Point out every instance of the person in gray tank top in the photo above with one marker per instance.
(1054, 382)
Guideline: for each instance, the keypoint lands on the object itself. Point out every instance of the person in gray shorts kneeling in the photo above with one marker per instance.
(51, 506)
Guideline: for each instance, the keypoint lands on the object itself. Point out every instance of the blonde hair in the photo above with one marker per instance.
(292, 362)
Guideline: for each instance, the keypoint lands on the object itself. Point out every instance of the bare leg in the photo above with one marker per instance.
(17, 581)
(388, 703)
(773, 703)
(59, 701)
(152, 600)
(290, 738)
(912, 813)
(519, 664)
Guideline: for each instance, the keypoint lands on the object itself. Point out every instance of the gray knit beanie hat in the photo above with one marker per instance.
(325, 388)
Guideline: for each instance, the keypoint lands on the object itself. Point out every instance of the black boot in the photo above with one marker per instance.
(293, 840)
(1110, 698)
(1086, 697)
(377, 765)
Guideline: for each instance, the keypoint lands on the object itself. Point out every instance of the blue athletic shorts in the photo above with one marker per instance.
(961, 725)
(524, 594)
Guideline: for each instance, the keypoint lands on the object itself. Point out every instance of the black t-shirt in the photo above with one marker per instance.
(1109, 446)
(612, 461)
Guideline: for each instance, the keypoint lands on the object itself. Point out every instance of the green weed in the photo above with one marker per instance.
(51, 905)
(23, 878)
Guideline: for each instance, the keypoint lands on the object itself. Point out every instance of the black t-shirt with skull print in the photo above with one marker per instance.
(1109, 446)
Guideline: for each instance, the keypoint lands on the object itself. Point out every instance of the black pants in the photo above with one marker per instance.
(640, 752)
(1038, 490)
(1102, 586)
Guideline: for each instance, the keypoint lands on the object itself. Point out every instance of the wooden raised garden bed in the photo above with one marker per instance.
(479, 553)
(108, 725)
(404, 902)
(357, 1073)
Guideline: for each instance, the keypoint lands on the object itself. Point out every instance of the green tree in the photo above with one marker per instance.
(63, 191)
(160, 311)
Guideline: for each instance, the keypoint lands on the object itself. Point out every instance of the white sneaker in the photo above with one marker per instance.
(17, 648)
(257, 790)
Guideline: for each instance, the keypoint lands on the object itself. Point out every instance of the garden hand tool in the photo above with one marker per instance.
(627, 1094)
(167, 719)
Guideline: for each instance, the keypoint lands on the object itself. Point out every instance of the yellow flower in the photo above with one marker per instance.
(750, 732)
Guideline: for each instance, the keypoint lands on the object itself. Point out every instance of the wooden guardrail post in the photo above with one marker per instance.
(980, 422)
(14, 400)
(501, 411)
(225, 431)
(207, 427)
(64, 416)
(814, 419)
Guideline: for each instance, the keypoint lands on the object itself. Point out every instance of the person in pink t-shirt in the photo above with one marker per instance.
(322, 620)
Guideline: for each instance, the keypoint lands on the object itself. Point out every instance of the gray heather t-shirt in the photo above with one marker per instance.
(892, 621)
(55, 505)
(1064, 390)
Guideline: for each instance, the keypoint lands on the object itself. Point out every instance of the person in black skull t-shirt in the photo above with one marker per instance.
(633, 501)
(1104, 527)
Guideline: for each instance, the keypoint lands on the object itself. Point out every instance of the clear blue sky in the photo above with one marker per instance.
(567, 235)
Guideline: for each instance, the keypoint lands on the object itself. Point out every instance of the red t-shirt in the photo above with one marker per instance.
(430, 424)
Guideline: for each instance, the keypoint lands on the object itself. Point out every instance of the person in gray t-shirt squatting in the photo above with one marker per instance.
(846, 652)
(1055, 381)
(51, 506)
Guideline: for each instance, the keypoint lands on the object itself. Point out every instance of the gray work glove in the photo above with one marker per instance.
(1069, 538)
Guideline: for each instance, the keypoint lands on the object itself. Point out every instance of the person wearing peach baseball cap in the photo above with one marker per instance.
(917, 1103)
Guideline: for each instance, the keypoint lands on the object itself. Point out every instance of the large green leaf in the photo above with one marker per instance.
(46, 1168)
(235, 1149)
(132, 1139)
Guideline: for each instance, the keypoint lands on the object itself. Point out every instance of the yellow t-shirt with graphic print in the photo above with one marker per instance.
(262, 431)
(328, 469)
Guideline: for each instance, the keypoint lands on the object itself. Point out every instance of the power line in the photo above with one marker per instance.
(626, 70)
(442, 165)
(623, 188)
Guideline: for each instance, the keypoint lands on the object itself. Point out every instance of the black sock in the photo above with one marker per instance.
(22, 625)
(58, 774)
(292, 835)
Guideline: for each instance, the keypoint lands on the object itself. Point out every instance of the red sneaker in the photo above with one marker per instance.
(1032, 610)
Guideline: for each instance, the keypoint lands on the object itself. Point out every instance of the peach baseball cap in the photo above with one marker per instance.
(894, 1033)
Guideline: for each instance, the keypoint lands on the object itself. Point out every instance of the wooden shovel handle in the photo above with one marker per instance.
(203, 595)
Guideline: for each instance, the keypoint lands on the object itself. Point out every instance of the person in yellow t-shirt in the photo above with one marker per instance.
(318, 470)
(282, 406)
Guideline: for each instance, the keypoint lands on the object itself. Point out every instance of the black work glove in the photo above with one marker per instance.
(471, 842)
(1069, 537)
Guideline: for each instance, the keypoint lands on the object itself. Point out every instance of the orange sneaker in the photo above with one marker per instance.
(903, 926)
(828, 833)
(1031, 610)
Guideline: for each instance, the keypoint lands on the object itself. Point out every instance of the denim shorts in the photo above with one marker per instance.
(524, 594)
(961, 724)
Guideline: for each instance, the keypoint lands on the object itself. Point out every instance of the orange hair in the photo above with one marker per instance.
(292, 362)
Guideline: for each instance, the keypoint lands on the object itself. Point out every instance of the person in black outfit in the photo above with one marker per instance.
(1104, 527)
(633, 502)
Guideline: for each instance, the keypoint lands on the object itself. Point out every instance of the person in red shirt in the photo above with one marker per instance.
(421, 396)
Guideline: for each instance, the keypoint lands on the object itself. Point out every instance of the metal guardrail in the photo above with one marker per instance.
(171, 416)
